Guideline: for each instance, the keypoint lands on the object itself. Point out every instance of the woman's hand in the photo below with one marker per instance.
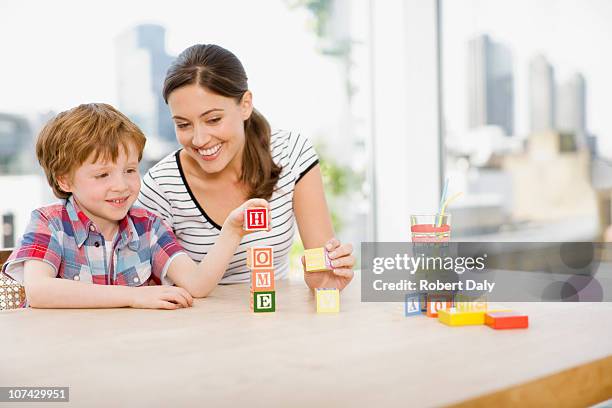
(342, 260)
(235, 220)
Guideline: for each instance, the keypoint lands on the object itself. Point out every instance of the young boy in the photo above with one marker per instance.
(105, 252)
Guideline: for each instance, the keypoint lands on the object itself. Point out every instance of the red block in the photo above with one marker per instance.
(256, 219)
(439, 302)
(506, 320)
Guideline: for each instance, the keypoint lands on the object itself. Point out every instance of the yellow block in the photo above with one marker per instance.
(316, 260)
(328, 300)
(454, 317)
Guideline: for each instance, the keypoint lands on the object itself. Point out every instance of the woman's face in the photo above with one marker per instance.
(209, 126)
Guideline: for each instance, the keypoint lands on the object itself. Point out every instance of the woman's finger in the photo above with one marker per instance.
(342, 250)
(332, 244)
(344, 273)
(347, 261)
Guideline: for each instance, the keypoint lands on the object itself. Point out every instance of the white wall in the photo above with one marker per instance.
(406, 144)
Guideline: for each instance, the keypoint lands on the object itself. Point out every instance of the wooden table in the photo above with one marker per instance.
(218, 353)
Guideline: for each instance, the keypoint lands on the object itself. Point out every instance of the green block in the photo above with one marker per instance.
(264, 302)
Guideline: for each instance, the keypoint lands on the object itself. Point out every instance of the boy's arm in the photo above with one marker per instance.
(44, 290)
(200, 279)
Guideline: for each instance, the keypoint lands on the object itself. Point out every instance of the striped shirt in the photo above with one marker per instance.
(165, 191)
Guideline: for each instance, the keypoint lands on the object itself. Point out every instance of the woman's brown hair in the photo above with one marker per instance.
(221, 72)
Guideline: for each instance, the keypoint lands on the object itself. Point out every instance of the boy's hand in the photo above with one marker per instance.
(342, 259)
(161, 297)
(235, 221)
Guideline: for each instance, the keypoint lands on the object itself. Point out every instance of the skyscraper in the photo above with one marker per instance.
(490, 84)
(142, 63)
(571, 108)
(541, 94)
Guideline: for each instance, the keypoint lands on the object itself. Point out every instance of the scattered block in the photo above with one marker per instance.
(455, 317)
(328, 300)
(262, 280)
(260, 258)
(412, 305)
(256, 219)
(423, 298)
(317, 260)
(506, 320)
(438, 302)
(465, 303)
(263, 302)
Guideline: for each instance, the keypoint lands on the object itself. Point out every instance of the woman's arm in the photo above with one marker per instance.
(316, 230)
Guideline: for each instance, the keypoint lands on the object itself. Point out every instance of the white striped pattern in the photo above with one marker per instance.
(165, 192)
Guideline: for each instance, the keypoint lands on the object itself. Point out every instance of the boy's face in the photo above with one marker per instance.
(105, 191)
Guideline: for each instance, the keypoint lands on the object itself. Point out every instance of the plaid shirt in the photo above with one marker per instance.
(65, 238)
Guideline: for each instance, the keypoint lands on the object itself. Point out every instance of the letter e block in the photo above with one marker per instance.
(263, 302)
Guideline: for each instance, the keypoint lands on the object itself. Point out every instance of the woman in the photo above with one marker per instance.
(229, 155)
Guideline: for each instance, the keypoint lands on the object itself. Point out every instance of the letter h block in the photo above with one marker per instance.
(256, 219)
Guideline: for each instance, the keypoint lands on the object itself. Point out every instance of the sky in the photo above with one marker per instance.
(574, 35)
(57, 54)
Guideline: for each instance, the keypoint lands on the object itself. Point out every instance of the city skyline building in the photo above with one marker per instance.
(542, 95)
(490, 84)
(142, 62)
(571, 111)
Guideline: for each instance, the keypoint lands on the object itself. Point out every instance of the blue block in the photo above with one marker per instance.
(412, 305)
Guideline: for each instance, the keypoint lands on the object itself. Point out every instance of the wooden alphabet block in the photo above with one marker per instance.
(328, 300)
(256, 219)
(506, 320)
(412, 305)
(262, 280)
(454, 317)
(260, 258)
(438, 302)
(317, 260)
(263, 302)
(464, 303)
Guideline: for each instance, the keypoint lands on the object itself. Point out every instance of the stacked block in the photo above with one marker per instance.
(261, 262)
(256, 219)
(317, 260)
(328, 300)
